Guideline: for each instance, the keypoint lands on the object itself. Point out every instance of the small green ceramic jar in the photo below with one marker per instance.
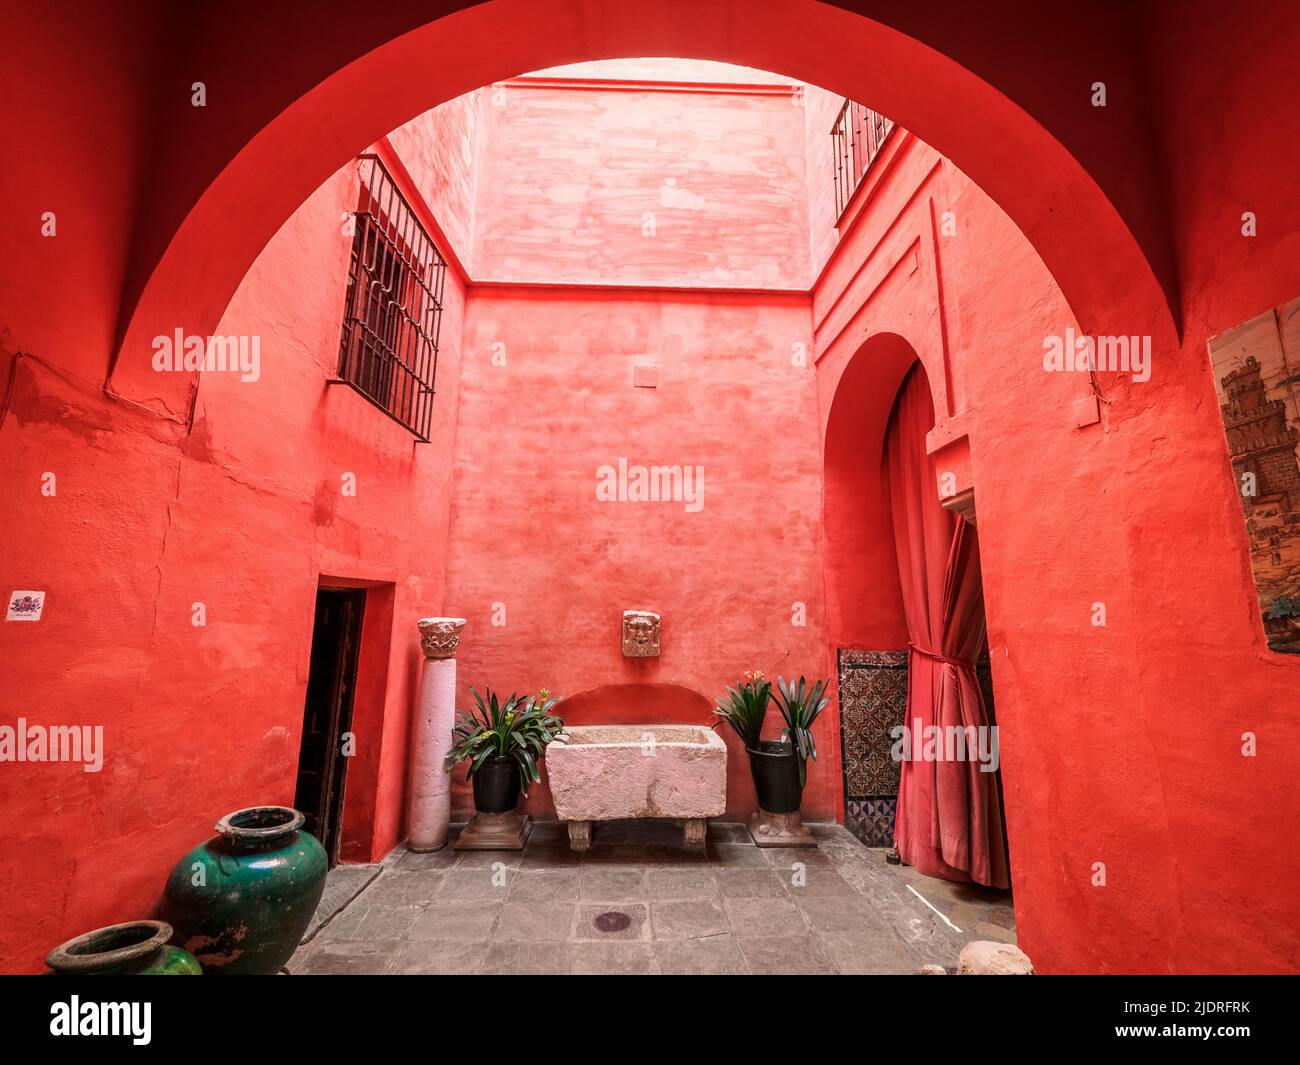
(136, 948)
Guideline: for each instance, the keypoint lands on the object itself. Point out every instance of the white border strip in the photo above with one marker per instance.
(940, 915)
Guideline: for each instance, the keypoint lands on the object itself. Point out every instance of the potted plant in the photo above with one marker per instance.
(502, 741)
(779, 767)
(801, 705)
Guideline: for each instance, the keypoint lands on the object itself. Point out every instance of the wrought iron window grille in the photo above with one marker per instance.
(393, 307)
(857, 135)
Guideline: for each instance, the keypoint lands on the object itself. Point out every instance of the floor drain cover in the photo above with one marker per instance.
(612, 921)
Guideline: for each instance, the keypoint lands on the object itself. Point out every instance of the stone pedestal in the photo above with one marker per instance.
(495, 832)
(429, 811)
(779, 830)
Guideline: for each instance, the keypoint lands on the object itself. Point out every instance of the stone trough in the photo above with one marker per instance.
(614, 772)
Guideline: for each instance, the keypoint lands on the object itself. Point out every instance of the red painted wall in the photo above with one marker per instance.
(1121, 744)
(543, 570)
(441, 149)
(245, 513)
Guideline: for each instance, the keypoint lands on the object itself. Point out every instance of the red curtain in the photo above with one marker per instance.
(949, 818)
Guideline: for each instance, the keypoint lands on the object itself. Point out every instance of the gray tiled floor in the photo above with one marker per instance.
(732, 909)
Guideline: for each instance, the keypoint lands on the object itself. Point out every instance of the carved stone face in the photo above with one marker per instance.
(640, 634)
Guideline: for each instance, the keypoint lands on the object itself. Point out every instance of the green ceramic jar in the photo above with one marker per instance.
(137, 948)
(241, 901)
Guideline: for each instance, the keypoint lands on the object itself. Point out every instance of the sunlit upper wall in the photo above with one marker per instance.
(643, 172)
(666, 69)
(440, 150)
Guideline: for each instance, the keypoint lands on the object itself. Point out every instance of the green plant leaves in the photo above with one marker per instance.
(745, 708)
(800, 706)
(518, 728)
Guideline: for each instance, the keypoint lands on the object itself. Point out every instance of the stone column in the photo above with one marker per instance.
(429, 812)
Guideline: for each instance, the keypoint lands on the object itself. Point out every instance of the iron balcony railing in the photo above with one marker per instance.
(857, 136)
(393, 309)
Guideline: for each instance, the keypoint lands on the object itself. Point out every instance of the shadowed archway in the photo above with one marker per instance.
(224, 182)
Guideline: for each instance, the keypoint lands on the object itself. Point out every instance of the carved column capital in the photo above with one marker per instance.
(439, 637)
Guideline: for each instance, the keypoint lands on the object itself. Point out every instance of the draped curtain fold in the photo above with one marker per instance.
(949, 818)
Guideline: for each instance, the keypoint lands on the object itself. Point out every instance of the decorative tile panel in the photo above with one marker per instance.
(871, 820)
(873, 699)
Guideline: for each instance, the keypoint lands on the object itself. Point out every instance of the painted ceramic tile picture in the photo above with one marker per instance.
(25, 606)
(1257, 375)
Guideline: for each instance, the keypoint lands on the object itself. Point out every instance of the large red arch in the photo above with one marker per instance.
(289, 103)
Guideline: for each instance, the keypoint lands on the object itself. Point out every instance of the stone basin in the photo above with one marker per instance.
(613, 772)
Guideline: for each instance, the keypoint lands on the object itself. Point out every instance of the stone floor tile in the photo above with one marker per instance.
(819, 880)
(489, 860)
(736, 856)
(713, 956)
(614, 959)
(298, 962)
(869, 954)
(526, 958)
(729, 832)
(844, 914)
(475, 884)
(461, 920)
(397, 888)
(611, 883)
(545, 885)
(624, 854)
(765, 918)
(985, 930)
(428, 861)
(786, 956)
(831, 831)
(372, 923)
(749, 883)
(1001, 914)
(346, 924)
(843, 853)
(548, 833)
(529, 921)
(439, 957)
(785, 859)
(680, 882)
(587, 929)
(343, 883)
(371, 958)
(693, 919)
(550, 856)
(924, 934)
(676, 855)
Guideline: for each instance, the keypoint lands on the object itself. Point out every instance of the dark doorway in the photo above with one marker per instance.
(327, 716)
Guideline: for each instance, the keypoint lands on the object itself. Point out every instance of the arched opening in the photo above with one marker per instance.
(1099, 498)
(880, 415)
(950, 817)
(270, 153)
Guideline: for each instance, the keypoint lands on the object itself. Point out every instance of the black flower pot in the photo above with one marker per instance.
(496, 785)
(775, 767)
